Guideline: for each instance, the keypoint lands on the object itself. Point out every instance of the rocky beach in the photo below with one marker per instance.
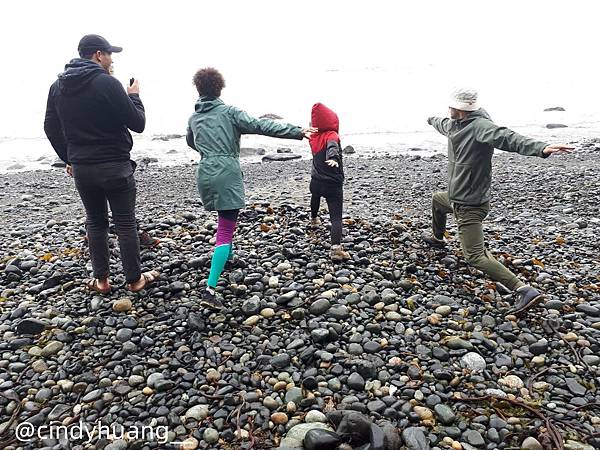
(403, 347)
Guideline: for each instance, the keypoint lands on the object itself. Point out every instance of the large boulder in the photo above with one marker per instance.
(167, 137)
(556, 125)
(250, 151)
(392, 436)
(348, 150)
(145, 160)
(555, 108)
(142, 163)
(318, 439)
(414, 439)
(281, 157)
(295, 436)
(15, 166)
(358, 429)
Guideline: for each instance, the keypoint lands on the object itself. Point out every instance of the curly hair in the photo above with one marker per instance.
(209, 82)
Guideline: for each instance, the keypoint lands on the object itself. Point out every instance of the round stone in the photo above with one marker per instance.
(279, 418)
(211, 435)
(443, 310)
(122, 305)
(315, 416)
(473, 361)
(198, 413)
(512, 382)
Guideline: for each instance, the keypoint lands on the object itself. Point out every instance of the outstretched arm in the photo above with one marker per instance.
(558, 149)
(505, 139)
(247, 124)
(53, 129)
(442, 125)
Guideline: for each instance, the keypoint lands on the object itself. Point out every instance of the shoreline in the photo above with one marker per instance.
(395, 334)
(30, 154)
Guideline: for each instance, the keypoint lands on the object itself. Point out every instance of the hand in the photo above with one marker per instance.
(134, 88)
(332, 163)
(308, 132)
(558, 149)
(69, 170)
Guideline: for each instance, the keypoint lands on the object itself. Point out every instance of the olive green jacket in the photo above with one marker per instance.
(214, 130)
(471, 143)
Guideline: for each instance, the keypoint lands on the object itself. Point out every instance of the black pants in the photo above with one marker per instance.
(113, 182)
(334, 195)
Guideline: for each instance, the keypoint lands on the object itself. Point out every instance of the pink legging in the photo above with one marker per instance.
(226, 226)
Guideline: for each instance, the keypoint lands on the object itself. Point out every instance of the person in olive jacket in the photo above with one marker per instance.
(472, 137)
(214, 131)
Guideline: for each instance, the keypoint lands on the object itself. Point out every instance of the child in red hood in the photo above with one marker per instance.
(327, 178)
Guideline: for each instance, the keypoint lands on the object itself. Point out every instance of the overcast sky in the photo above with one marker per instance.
(257, 44)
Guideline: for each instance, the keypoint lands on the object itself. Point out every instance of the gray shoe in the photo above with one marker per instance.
(527, 298)
(432, 241)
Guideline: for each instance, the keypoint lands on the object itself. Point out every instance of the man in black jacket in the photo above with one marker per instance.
(88, 117)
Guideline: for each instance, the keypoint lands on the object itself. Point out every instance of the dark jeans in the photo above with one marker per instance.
(334, 195)
(113, 182)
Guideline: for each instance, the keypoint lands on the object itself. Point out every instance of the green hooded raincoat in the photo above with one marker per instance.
(214, 130)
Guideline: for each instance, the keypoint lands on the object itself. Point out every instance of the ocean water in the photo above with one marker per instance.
(384, 68)
(391, 118)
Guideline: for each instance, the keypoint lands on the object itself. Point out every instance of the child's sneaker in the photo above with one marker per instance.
(338, 254)
(209, 299)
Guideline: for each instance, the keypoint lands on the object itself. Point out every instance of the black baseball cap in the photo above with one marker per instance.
(94, 42)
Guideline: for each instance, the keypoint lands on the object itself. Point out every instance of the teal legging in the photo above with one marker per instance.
(223, 247)
(220, 257)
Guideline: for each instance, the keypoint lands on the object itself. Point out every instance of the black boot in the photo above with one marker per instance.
(209, 299)
(527, 298)
(432, 241)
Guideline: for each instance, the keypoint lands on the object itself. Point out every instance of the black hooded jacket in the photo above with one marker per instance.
(89, 113)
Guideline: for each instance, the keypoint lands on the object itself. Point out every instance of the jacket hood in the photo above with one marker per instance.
(324, 118)
(205, 104)
(328, 123)
(78, 74)
(477, 114)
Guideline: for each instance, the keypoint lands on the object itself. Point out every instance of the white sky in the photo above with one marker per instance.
(260, 44)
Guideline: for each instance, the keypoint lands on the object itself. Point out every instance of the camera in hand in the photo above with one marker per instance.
(131, 81)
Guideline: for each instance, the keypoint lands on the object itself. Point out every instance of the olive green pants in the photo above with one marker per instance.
(469, 220)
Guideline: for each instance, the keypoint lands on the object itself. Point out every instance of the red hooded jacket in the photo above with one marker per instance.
(326, 145)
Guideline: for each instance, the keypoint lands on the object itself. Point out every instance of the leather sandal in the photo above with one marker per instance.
(148, 277)
(92, 285)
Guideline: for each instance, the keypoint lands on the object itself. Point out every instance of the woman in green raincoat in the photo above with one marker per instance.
(214, 130)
